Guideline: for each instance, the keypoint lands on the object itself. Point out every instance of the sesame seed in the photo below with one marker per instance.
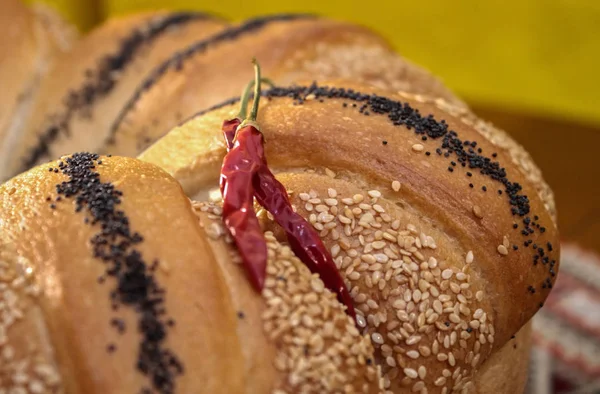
(411, 373)
(396, 186)
(390, 361)
(422, 372)
(447, 274)
(317, 285)
(374, 193)
(502, 250)
(469, 258)
(417, 147)
(377, 338)
(412, 354)
(413, 340)
(477, 211)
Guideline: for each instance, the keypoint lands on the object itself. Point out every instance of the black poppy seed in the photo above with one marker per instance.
(515, 247)
(542, 229)
(111, 348)
(119, 324)
(52, 206)
(241, 315)
(549, 245)
(469, 173)
(447, 323)
(384, 142)
(484, 188)
(512, 337)
(479, 150)
(344, 105)
(499, 192)
(438, 151)
(423, 138)
(494, 155)
(515, 225)
(450, 169)
(471, 185)
(100, 81)
(427, 153)
(469, 330)
(136, 287)
(369, 361)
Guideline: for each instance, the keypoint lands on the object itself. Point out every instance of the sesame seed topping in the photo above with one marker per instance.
(417, 148)
(502, 250)
(396, 186)
(411, 373)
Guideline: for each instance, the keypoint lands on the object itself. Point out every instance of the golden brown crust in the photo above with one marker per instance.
(86, 89)
(31, 39)
(289, 50)
(506, 370)
(480, 281)
(77, 308)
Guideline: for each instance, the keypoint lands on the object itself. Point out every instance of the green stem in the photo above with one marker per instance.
(246, 97)
(254, 112)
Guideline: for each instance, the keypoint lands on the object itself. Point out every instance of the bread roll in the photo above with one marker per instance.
(289, 47)
(478, 239)
(97, 281)
(85, 90)
(104, 260)
(31, 39)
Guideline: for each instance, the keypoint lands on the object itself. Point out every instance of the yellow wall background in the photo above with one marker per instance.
(539, 56)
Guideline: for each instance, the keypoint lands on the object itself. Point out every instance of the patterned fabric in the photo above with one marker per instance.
(565, 357)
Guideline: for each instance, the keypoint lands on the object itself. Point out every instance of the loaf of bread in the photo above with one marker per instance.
(30, 41)
(134, 78)
(123, 278)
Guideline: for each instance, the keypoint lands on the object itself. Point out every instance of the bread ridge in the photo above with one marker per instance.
(84, 85)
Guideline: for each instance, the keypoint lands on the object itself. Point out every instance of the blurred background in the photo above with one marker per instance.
(530, 67)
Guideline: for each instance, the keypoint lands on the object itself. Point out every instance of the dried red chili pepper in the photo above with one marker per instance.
(240, 165)
(302, 237)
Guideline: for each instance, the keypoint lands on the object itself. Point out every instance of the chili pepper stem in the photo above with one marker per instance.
(245, 97)
(251, 119)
